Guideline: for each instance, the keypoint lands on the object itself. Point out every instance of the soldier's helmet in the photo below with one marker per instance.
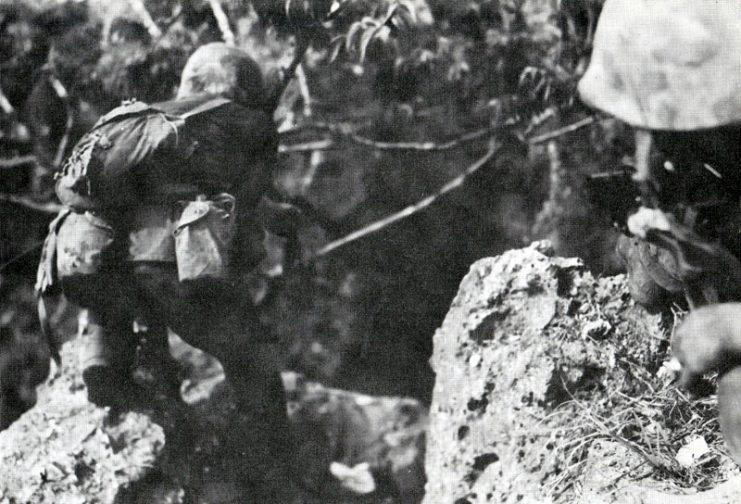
(667, 64)
(224, 70)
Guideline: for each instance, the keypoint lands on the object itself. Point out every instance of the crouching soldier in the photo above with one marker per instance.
(670, 69)
(159, 225)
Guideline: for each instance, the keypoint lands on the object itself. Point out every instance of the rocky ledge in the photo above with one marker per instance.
(550, 388)
(351, 448)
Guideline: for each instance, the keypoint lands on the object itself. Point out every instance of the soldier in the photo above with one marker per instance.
(670, 68)
(160, 226)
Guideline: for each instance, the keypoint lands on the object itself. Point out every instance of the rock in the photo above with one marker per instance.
(24, 364)
(607, 463)
(68, 451)
(482, 440)
(333, 425)
(529, 363)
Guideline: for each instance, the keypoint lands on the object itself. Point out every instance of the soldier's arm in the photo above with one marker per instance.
(254, 142)
(709, 339)
(280, 218)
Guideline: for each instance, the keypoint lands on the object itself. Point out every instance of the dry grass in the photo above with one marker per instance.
(643, 410)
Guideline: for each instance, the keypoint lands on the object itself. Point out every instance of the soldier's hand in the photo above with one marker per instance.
(709, 339)
(282, 219)
(303, 249)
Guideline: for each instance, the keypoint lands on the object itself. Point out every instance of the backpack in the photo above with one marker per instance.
(102, 170)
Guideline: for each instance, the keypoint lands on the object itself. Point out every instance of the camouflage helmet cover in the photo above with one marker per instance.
(220, 69)
(667, 64)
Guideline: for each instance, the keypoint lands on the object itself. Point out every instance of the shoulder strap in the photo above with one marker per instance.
(123, 111)
(138, 108)
(205, 107)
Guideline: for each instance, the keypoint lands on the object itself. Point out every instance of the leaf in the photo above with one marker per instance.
(407, 10)
(527, 74)
(366, 39)
(357, 479)
(354, 30)
(426, 56)
(547, 93)
(390, 13)
(336, 45)
(540, 82)
(335, 8)
(691, 452)
(398, 23)
(404, 20)
(383, 34)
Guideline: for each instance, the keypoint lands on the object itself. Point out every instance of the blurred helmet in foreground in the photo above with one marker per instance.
(667, 64)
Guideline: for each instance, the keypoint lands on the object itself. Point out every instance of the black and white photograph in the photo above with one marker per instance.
(370, 251)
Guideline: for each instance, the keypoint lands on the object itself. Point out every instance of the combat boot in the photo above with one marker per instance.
(107, 361)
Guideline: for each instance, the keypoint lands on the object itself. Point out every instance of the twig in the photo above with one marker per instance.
(146, 18)
(453, 184)
(29, 250)
(561, 131)
(319, 125)
(17, 161)
(302, 45)
(421, 146)
(341, 131)
(601, 427)
(62, 147)
(303, 86)
(412, 209)
(317, 145)
(223, 21)
(5, 104)
(25, 201)
(344, 131)
(63, 95)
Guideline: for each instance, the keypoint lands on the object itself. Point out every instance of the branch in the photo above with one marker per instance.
(29, 250)
(303, 87)
(5, 104)
(302, 45)
(451, 185)
(62, 147)
(344, 131)
(412, 209)
(64, 96)
(315, 125)
(25, 201)
(17, 161)
(223, 21)
(344, 127)
(318, 145)
(422, 146)
(561, 131)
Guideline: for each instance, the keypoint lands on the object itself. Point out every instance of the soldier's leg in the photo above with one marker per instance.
(211, 316)
(155, 365)
(110, 344)
(92, 275)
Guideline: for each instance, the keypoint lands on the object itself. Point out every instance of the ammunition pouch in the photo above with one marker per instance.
(197, 235)
(82, 241)
(203, 238)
